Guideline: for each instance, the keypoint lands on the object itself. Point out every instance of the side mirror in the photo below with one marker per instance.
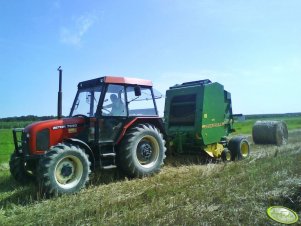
(137, 91)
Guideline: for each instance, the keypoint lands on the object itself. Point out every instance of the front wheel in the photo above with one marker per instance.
(142, 151)
(65, 168)
(19, 169)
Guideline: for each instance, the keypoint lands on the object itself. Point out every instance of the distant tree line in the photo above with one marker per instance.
(31, 118)
(21, 121)
(263, 116)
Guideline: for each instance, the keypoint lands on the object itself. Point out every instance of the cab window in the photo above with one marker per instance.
(140, 105)
(114, 101)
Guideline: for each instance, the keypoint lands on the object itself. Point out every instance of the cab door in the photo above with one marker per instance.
(113, 113)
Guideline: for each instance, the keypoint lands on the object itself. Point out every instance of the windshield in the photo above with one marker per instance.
(141, 105)
(86, 101)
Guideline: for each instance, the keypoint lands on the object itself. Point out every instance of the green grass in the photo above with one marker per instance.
(6, 138)
(236, 193)
(245, 127)
(6, 144)
(9, 125)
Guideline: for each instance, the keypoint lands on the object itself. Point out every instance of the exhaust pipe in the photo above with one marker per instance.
(59, 95)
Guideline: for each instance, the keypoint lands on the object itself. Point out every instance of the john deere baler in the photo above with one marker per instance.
(198, 116)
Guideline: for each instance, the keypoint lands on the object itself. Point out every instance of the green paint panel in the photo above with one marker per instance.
(197, 114)
(213, 115)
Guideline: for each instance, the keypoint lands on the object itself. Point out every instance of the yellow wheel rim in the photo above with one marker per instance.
(148, 151)
(244, 150)
(68, 172)
(228, 156)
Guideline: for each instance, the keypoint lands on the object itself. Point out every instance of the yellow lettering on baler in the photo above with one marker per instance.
(213, 125)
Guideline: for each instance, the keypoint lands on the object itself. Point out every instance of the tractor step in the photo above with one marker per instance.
(108, 155)
(109, 167)
(105, 142)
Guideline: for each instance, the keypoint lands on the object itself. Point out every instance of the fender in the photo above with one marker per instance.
(83, 145)
(157, 121)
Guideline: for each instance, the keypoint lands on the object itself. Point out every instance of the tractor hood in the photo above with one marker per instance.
(44, 134)
(55, 124)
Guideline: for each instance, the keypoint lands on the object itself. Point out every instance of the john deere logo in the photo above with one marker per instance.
(282, 215)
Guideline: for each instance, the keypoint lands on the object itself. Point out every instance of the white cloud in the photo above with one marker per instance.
(73, 35)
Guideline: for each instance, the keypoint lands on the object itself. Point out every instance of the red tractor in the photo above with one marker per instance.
(113, 123)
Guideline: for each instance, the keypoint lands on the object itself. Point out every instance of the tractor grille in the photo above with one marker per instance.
(25, 144)
(43, 140)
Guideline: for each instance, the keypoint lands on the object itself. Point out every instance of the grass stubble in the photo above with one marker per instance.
(235, 193)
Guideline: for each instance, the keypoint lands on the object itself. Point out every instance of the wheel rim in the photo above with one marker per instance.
(244, 149)
(68, 172)
(147, 151)
(228, 156)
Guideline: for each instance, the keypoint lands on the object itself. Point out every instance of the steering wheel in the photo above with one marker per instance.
(80, 116)
(108, 111)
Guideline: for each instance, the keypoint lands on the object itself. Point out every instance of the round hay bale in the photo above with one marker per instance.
(270, 132)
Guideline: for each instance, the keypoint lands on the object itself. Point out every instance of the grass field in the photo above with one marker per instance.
(245, 127)
(236, 193)
(6, 138)
(6, 144)
(9, 125)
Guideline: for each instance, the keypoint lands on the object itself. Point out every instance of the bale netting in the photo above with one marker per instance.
(270, 132)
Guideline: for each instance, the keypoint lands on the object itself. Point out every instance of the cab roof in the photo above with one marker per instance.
(126, 80)
(115, 80)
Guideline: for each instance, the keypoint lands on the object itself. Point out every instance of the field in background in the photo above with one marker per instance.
(6, 144)
(236, 193)
(245, 127)
(14, 124)
(6, 137)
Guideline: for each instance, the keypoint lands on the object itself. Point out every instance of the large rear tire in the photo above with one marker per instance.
(19, 171)
(142, 151)
(65, 168)
(239, 147)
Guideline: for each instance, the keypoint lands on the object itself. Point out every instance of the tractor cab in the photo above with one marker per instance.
(109, 103)
(114, 96)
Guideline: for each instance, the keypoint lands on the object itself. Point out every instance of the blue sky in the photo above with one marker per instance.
(251, 47)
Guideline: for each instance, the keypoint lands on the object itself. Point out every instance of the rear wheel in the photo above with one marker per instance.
(18, 169)
(239, 147)
(65, 168)
(142, 151)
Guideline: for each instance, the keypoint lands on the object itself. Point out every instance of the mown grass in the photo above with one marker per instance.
(236, 193)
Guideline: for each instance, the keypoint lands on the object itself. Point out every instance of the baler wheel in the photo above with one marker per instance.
(142, 151)
(239, 147)
(18, 170)
(226, 155)
(65, 168)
